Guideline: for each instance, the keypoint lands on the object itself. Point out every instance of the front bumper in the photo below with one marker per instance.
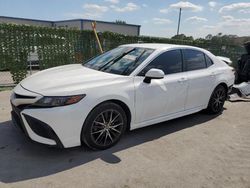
(57, 126)
(34, 129)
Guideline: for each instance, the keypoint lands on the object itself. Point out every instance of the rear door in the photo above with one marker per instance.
(200, 77)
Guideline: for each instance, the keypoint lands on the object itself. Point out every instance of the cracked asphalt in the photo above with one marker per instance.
(198, 150)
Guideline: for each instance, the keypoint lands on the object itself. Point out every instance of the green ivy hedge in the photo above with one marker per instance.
(64, 46)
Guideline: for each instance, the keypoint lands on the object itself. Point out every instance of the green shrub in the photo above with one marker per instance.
(64, 46)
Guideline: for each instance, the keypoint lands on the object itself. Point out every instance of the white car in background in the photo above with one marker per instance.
(129, 87)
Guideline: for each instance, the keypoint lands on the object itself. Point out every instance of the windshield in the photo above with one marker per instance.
(121, 60)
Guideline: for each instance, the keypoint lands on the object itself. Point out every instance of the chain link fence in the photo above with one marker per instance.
(25, 50)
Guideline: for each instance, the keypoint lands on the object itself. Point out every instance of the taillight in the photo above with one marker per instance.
(234, 71)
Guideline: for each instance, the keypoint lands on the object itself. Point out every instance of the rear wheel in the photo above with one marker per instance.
(104, 126)
(217, 100)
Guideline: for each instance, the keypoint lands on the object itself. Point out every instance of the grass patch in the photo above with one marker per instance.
(6, 88)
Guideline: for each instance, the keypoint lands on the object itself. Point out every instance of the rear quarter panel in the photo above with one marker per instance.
(224, 73)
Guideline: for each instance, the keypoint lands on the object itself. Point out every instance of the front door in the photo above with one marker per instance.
(164, 96)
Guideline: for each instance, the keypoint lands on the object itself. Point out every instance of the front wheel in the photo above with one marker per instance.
(217, 100)
(104, 126)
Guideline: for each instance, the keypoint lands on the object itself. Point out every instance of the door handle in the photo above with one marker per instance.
(213, 74)
(182, 80)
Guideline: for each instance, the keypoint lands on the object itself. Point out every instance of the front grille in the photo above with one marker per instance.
(22, 106)
(17, 96)
(22, 101)
(16, 109)
(19, 108)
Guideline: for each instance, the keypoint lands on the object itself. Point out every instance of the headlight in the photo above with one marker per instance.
(58, 101)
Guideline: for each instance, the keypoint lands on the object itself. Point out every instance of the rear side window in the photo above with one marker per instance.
(208, 61)
(194, 59)
(169, 62)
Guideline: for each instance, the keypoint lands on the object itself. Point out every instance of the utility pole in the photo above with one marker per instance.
(178, 29)
(93, 24)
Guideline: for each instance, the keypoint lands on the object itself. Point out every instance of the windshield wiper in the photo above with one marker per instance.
(114, 60)
(136, 60)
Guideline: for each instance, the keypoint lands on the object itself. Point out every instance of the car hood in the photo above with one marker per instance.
(66, 80)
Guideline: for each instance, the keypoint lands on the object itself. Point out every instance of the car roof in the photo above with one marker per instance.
(160, 46)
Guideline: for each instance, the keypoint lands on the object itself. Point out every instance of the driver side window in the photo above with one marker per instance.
(169, 62)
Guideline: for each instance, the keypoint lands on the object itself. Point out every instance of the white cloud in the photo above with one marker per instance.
(228, 25)
(185, 5)
(164, 11)
(227, 18)
(245, 11)
(234, 6)
(112, 1)
(91, 11)
(212, 3)
(144, 5)
(87, 15)
(230, 21)
(95, 8)
(208, 26)
(196, 19)
(161, 21)
(128, 8)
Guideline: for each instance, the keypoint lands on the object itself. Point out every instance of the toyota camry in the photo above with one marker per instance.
(129, 87)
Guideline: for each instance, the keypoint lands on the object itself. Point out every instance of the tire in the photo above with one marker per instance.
(104, 126)
(217, 100)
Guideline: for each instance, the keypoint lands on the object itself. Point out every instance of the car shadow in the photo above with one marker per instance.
(21, 159)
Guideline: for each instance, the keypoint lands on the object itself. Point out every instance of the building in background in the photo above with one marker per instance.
(81, 24)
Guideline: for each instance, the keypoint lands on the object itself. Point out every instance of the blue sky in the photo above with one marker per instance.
(157, 17)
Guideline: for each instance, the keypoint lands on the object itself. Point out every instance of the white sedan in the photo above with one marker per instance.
(129, 87)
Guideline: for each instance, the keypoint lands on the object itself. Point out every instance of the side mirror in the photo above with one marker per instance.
(153, 74)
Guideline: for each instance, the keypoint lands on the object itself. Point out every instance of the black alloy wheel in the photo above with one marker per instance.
(217, 100)
(104, 126)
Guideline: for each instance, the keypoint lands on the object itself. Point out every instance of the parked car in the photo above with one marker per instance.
(226, 60)
(129, 87)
